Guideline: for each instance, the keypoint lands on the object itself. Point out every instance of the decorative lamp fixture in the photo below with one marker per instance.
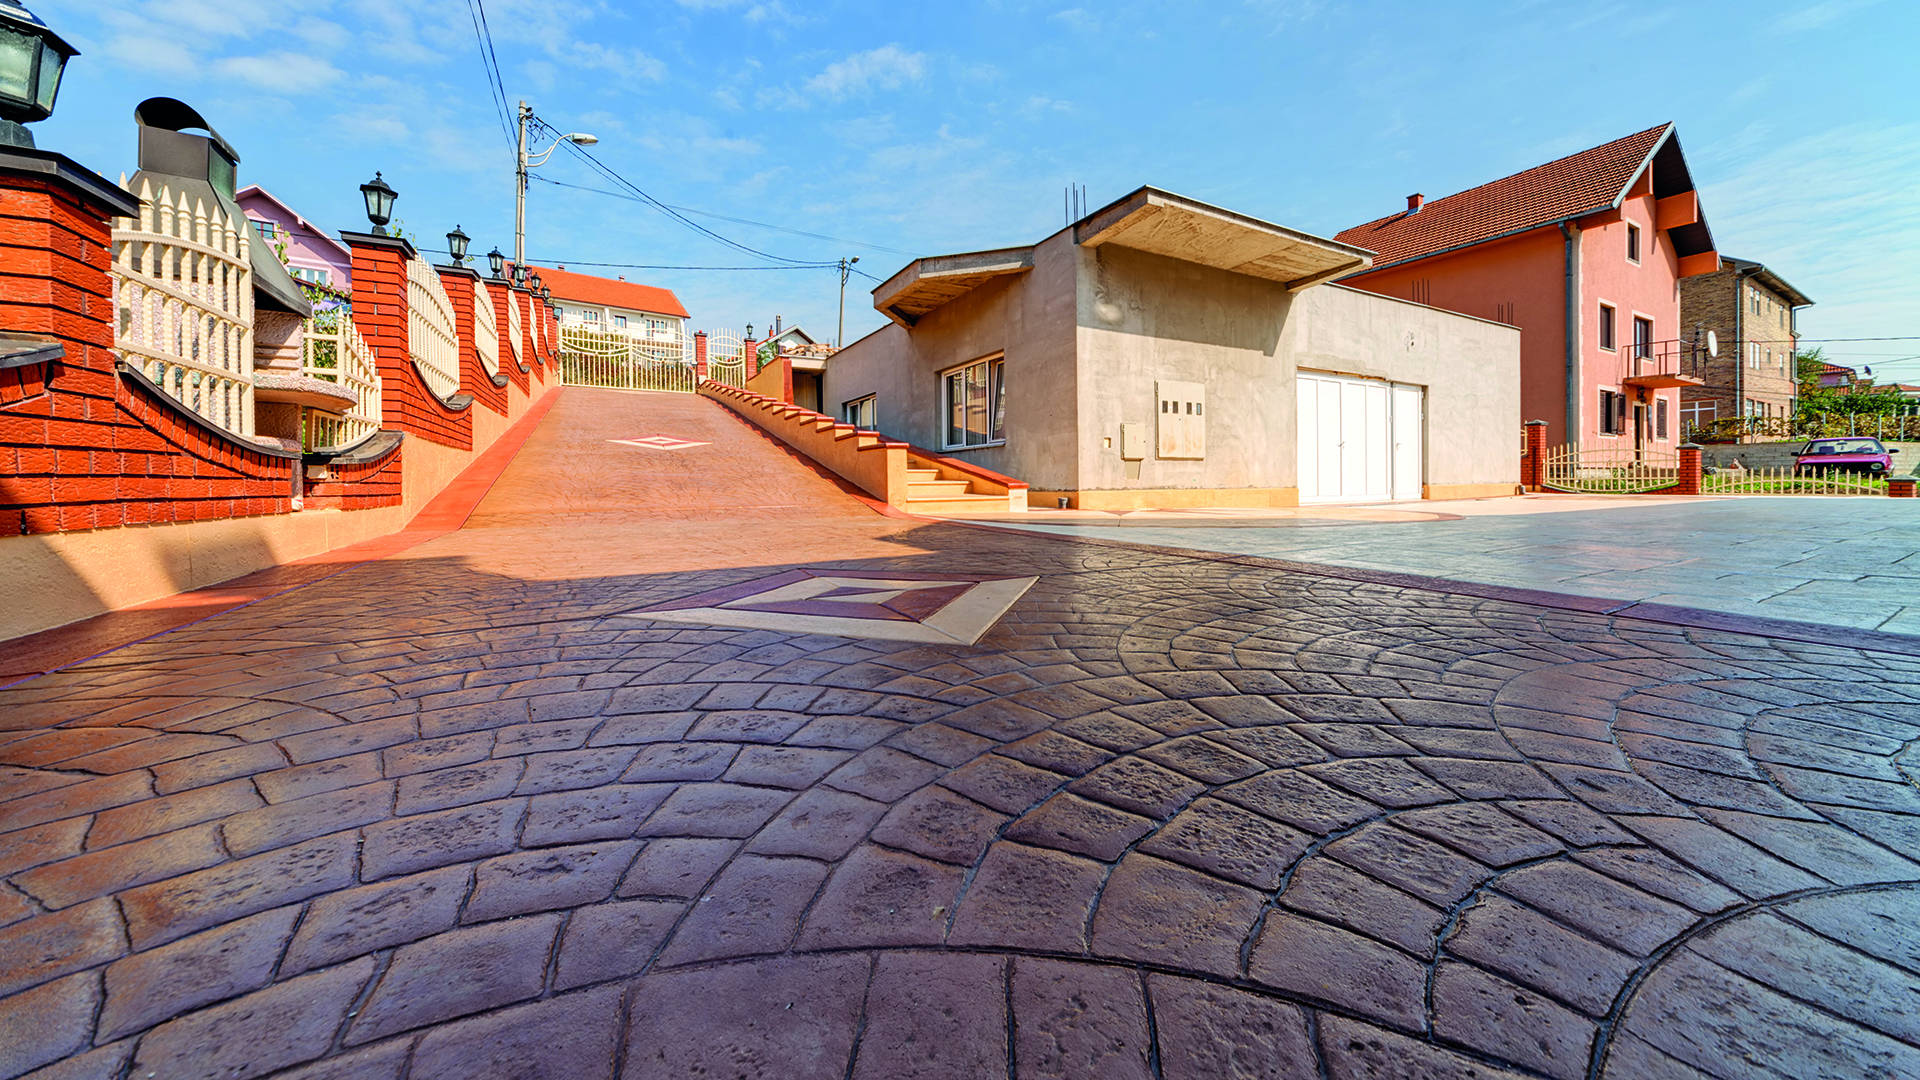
(497, 262)
(749, 331)
(546, 294)
(533, 281)
(457, 242)
(379, 198)
(31, 60)
(520, 275)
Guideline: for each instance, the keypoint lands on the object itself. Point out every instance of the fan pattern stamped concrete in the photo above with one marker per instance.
(1167, 816)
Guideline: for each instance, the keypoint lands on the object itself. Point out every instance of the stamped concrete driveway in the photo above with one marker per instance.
(473, 812)
(1842, 561)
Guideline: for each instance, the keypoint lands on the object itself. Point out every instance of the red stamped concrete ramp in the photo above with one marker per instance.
(469, 810)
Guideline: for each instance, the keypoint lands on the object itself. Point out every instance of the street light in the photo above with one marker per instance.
(519, 274)
(523, 162)
(497, 262)
(457, 242)
(846, 267)
(379, 198)
(32, 57)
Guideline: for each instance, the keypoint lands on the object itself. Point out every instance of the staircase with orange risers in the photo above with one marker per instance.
(903, 476)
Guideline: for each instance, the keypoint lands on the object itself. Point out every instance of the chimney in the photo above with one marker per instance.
(1413, 202)
(776, 325)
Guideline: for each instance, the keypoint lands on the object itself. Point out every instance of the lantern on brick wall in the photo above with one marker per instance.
(519, 275)
(379, 198)
(546, 295)
(457, 242)
(496, 262)
(32, 57)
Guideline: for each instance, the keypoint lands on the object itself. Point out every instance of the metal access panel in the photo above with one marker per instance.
(1182, 419)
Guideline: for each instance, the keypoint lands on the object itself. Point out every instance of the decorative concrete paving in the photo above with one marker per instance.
(459, 814)
(1846, 562)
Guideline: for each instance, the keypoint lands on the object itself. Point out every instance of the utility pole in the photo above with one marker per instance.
(520, 190)
(846, 267)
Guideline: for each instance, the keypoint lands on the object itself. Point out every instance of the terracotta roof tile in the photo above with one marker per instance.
(589, 289)
(1574, 185)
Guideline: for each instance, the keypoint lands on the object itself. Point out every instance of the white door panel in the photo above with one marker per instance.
(1360, 440)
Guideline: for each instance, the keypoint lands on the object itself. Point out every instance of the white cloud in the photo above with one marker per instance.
(1042, 104)
(886, 68)
(593, 56)
(1815, 16)
(1076, 18)
(281, 72)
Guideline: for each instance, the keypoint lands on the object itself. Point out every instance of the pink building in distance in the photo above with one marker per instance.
(312, 255)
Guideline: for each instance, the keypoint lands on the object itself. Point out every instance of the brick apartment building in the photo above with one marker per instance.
(1753, 311)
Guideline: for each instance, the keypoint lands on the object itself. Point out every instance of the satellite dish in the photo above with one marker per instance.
(1713, 344)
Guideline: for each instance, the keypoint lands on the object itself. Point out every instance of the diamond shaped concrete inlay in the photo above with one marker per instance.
(893, 606)
(659, 442)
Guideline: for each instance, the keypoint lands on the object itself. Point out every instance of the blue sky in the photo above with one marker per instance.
(904, 128)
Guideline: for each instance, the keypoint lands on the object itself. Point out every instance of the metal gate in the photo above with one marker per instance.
(724, 362)
(1614, 470)
(590, 356)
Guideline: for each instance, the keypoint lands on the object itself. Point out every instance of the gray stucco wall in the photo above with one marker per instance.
(1087, 332)
(1029, 317)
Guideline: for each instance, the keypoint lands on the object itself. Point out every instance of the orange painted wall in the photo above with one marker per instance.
(1519, 281)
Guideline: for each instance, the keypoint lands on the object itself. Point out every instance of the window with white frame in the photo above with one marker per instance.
(1698, 414)
(620, 322)
(590, 315)
(1633, 242)
(1606, 327)
(1642, 338)
(1660, 419)
(859, 412)
(1613, 412)
(973, 399)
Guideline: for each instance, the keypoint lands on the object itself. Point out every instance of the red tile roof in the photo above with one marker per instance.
(588, 289)
(1543, 195)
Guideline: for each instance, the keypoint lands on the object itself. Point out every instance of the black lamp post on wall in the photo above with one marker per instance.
(379, 197)
(32, 57)
(457, 242)
(496, 262)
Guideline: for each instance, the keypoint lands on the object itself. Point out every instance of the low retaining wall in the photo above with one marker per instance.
(1780, 455)
(865, 459)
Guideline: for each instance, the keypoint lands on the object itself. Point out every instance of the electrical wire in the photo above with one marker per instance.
(490, 62)
(723, 217)
(535, 264)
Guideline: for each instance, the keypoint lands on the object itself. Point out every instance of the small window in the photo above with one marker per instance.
(859, 412)
(620, 321)
(1642, 338)
(591, 315)
(267, 229)
(1633, 242)
(1613, 412)
(974, 402)
(1660, 419)
(1606, 327)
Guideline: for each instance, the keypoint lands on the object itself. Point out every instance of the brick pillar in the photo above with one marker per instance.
(1533, 475)
(380, 314)
(1689, 470)
(699, 356)
(750, 357)
(1902, 487)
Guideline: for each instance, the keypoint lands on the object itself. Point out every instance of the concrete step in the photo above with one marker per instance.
(958, 504)
(937, 489)
(918, 476)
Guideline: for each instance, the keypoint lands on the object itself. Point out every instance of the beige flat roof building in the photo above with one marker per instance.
(1161, 352)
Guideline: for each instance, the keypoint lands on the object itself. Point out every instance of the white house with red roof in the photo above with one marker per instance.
(642, 311)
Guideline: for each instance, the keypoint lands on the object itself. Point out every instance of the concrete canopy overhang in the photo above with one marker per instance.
(925, 284)
(1166, 224)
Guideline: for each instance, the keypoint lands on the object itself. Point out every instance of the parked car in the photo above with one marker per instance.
(1855, 454)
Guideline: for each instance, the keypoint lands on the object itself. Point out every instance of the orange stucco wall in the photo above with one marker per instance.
(1521, 280)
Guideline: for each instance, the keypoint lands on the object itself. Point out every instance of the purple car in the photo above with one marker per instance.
(1854, 453)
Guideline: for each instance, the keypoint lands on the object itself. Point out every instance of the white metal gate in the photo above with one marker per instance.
(590, 356)
(1360, 440)
(725, 364)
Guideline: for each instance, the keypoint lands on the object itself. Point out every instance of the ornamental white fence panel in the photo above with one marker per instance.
(725, 363)
(183, 290)
(332, 349)
(514, 329)
(432, 340)
(486, 329)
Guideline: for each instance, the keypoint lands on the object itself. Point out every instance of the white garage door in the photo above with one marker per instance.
(1361, 440)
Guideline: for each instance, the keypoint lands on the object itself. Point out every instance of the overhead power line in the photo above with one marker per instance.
(490, 62)
(534, 263)
(724, 217)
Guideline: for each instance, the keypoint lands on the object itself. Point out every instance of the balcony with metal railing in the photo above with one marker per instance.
(1661, 365)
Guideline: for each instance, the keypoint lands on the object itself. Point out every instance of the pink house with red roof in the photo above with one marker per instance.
(1584, 255)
